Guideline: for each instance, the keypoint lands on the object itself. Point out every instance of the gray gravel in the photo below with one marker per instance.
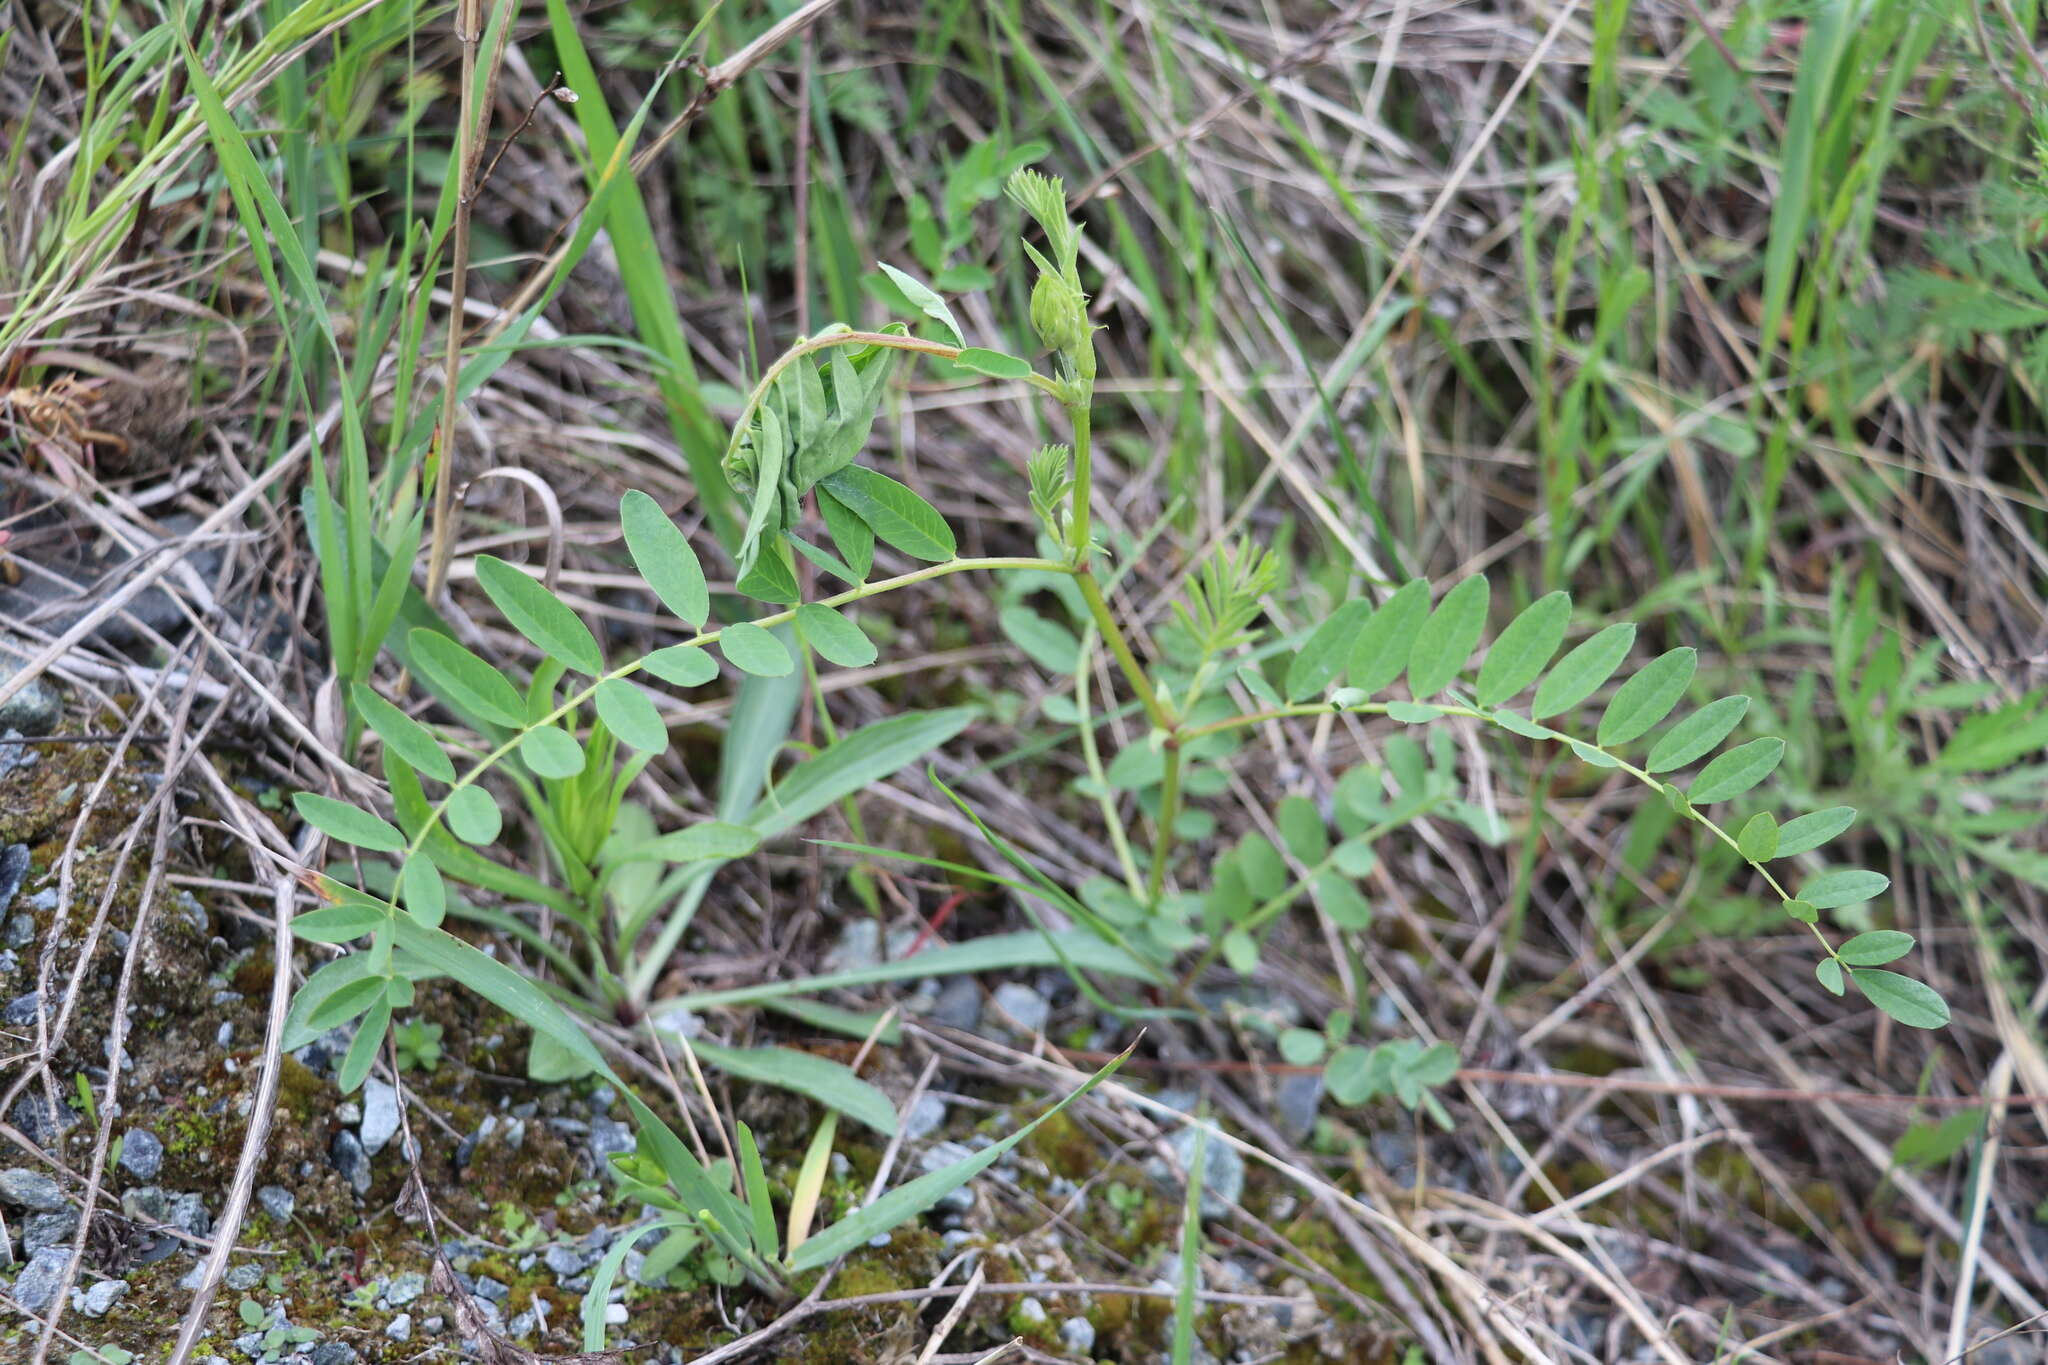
(31, 1190)
(380, 1115)
(1027, 1009)
(142, 1155)
(35, 709)
(36, 1287)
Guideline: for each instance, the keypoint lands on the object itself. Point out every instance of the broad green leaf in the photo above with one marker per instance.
(403, 735)
(924, 301)
(345, 1003)
(770, 579)
(1829, 973)
(1758, 841)
(1448, 637)
(1381, 651)
(466, 681)
(1802, 911)
(362, 1049)
(1413, 712)
(1875, 948)
(1301, 1047)
(994, 364)
(834, 636)
(1694, 736)
(319, 988)
(1327, 651)
(551, 751)
(1049, 644)
(1811, 831)
(628, 714)
(1736, 771)
(337, 923)
(1598, 758)
(1519, 654)
(1647, 698)
(473, 815)
(1527, 729)
(1301, 827)
(1842, 886)
(905, 1202)
(1355, 1074)
(1342, 901)
(894, 513)
(851, 536)
(664, 558)
(1913, 1003)
(751, 649)
(1580, 673)
(1436, 1066)
(830, 1083)
(682, 665)
(339, 820)
(540, 616)
(426, 895)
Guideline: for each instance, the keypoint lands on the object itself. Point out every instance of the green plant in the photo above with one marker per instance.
(419, 1045)
(576, 735)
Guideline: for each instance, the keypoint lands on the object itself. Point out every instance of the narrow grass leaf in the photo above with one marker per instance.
(704, 840)
(473, 815)
(1843, 886)
(834, 636)
(540, 616)
(466, 681)
(628, 714)
(320, 987)
(362, 1049)
(1875, 948)
(664, 558)
(339, 820)
(551, 751)
(1184, 1311)
(895, 514)
(337, 923)
(1579, 674)
(1697, 734)
(752, 649)
(1522, 650)
(681, 665)
(1448, 637)
(1327, 652)
(760, 1209)
(1381, 651)
(1913, 1003)
(1736, 771)
(830, 1083)
(403, 735)
(1811, 831)
(345, 1003)
(1647, 698)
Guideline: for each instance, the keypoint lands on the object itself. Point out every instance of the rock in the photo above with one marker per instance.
(1030, 1311)
(858, 946)
(405, 1288)
(13, 869)
(488, 1288)
(562, 1261)
(36, 708)
(940, 1155)
(333, 1353)
(20, 932)
(615, 1315)
(522, 1325)
(36, 1287)
(380, 1115)
(1222, 1170)
(146, 1204)
(1078, 1335)
(142, 1154)
(926, 1117)
(42, 1121)
(1026, 1008)
(243, 1278)
(96, 1301)
(188, 1214)
(31, 1190)
(15, 755)
(21, 1011)
(400, 1328)
(347, 1155)
(609, 1137)
(958, 1005)
(1297, 1097)
(45, 1230)
(277, 1201)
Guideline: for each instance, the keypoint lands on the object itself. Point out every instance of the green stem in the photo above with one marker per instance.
(1078, 529)
(1169, 816)
(1134, 672)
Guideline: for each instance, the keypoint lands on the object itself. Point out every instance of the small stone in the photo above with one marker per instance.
(958, 1004)
(615, 1315)
(277, 1201)
(432, 1324)
(940, 1155)
(44, 1230)
(346, 1153)
(562, 1261)
(146, 1204)
(142, 1154)
(1222, 1171)
(97, 1300)
(405, 1288)
(488, 1288)
(1031, 1310)
(959, 1199)
(1078, 1335)
(36, 708)
(522, 1324)
(859, 946)
(333, 1353)
(225, 1036)
(21, 1010)
(21, 931)
(348, 1114)
(380, 1115)
(36, 1287)
(927, 1116)
(609, 1137)
(1297, 1097)
(31, 1190)
(400, 1328)
(1027, 1009)
(880, 1240)
(13, 869)
(243, 1278)
(187, 1213)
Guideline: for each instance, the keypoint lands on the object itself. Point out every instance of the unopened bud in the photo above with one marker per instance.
(1058, 314)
